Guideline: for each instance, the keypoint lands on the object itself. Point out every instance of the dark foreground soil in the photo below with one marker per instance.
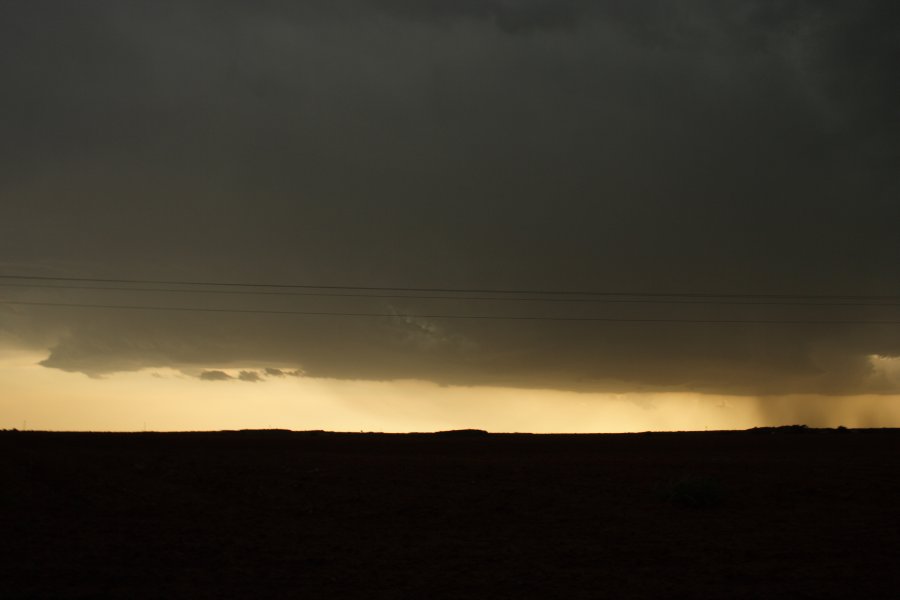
(759, 514)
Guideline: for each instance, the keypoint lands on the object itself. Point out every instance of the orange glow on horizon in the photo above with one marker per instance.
(36, 397)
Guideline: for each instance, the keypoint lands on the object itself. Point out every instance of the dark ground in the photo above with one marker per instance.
(758, 514)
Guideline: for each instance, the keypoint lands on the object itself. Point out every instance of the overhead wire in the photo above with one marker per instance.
(454, 316)
(367, 295)
(533, 292)
(454, 294)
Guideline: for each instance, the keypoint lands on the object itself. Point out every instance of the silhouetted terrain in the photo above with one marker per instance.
(758, 514)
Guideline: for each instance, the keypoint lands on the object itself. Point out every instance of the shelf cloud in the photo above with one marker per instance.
(701, 147)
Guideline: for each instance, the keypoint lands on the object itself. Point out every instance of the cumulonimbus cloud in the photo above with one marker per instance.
(727, 147)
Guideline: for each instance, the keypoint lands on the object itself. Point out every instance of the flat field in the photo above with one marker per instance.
(757, 514)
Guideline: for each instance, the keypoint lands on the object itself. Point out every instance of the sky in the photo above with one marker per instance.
(651, 168)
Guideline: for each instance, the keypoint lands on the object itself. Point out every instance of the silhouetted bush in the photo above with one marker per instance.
(781, 429)
(462, 433)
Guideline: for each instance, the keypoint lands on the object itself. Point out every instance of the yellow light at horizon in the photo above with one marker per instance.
(169, 400)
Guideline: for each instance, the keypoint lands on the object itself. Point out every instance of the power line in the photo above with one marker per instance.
(451, 316)
(534, 292)
(366, 295)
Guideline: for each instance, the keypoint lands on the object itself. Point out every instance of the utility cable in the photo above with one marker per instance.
(533, 292)
(366, 295)
(453, 316)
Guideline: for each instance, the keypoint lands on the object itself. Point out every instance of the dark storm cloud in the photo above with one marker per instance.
(272, 372)
(737, 147)
(517, 16)
(249, 376)
(214, 376)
